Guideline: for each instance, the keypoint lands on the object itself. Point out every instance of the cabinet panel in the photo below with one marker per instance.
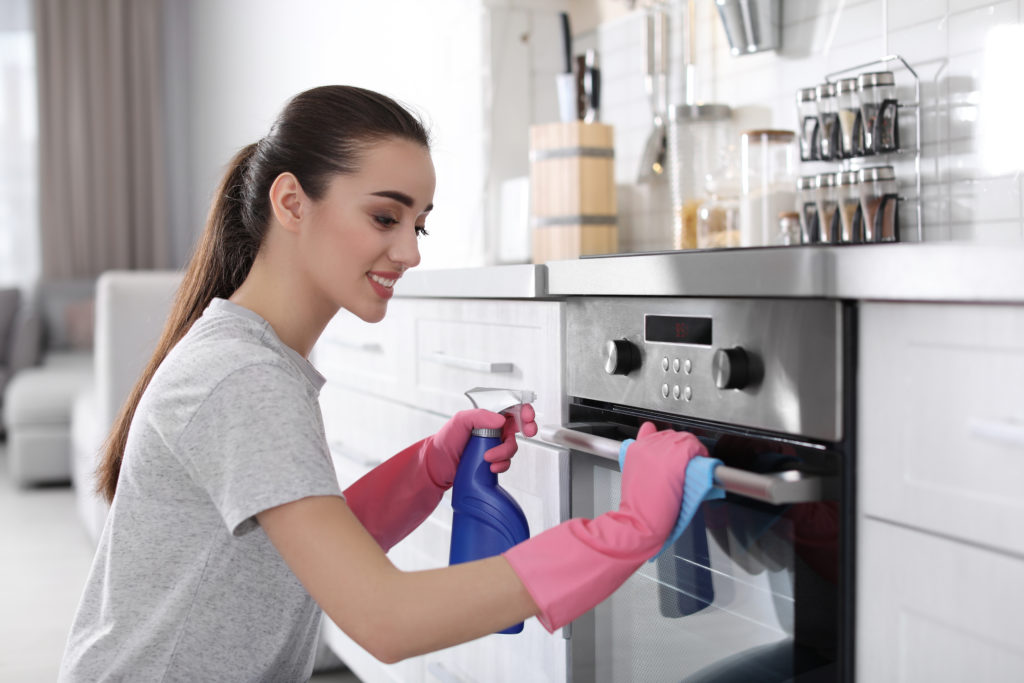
(941, 419)
(464, 344)
(367, 356)
(932, 609)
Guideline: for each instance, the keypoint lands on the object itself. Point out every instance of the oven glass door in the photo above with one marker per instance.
(750, 591)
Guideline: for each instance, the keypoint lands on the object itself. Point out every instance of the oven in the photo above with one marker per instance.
(760, 585)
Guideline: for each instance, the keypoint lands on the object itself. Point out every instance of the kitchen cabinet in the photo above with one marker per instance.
(940, 547)
(390, 385)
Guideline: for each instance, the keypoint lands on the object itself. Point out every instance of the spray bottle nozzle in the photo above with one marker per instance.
(500, 400)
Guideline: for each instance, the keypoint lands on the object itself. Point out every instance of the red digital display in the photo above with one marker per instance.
(677, 330)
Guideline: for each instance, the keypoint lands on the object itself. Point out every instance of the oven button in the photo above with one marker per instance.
(676, 392)
(688, 366)
(664, 391)
(664, 363)
(675, 365)
(621, 357)
(730, 368)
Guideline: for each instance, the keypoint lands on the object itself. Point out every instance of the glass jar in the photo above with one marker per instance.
(789, 229)
(879, 203)
(849, 117)
(828, 207)
(848, 196)
(877, 94)
(718, 218)
(807, 115)
(829, 140)
(807, 208)
(768, 164)
(698, 139)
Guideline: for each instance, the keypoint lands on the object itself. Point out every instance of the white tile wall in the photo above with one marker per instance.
(942, 40)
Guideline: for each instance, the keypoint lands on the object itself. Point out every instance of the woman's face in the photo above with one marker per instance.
(362, 234)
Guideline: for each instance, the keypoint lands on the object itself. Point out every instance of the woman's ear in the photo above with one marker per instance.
(288, 201)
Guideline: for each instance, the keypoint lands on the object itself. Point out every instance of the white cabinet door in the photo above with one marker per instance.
(941, 419)
(459, 345)
(931, 609)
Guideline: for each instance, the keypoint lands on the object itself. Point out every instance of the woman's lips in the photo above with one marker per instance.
(383, 283)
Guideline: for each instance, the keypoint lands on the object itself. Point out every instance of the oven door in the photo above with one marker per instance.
(753, 589)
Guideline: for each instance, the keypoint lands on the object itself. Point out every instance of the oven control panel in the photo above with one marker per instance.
(772, 364)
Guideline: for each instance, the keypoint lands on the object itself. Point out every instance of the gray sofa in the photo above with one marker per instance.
(52, 341)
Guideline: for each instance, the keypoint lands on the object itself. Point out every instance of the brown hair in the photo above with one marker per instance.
(320, 133)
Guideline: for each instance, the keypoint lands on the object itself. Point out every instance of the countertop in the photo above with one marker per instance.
(894, 272)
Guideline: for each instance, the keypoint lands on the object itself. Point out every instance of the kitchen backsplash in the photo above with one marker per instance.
(968, 193)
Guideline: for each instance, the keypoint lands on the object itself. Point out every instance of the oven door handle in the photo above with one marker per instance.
(777, 488)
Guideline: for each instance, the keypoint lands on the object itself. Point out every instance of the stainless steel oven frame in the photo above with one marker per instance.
(777, 371)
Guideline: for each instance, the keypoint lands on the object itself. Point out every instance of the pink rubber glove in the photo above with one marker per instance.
(572, 567)
(395, 497)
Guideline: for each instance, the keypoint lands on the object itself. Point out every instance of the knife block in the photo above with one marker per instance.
(572, 190)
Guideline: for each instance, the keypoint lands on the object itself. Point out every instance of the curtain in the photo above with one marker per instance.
(102, 151)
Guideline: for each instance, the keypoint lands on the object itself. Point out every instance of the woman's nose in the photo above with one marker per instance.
(406, 251)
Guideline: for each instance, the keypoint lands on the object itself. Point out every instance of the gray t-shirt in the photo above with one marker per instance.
(185, 585)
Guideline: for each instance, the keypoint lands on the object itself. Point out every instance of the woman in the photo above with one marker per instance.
(228, 533)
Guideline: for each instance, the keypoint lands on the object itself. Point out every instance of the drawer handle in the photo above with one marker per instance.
(438, 671)
(777, 488)
(1001, 431)
(365, 347)
(468, 363)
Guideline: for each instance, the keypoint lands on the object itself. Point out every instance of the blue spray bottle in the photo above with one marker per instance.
(486, 520)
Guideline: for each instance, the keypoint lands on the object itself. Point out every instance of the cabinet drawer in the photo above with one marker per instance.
(368, 429)
(464, 344)
(365, 356)
(941, 419)
(932, 609)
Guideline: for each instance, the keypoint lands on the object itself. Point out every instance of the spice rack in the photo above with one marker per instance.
(856, 162)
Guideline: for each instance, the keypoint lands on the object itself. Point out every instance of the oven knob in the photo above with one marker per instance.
(621, 357)
(731, 368)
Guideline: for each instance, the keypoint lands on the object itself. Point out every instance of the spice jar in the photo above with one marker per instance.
(877, 94)
(849, 117)
(828, 122)
(878, 204)
(807, 115)
(848, 196)
(828, 207)
(807, 208)
(768, 163)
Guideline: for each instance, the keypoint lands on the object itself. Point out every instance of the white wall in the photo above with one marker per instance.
(965, 197)
(245, 58)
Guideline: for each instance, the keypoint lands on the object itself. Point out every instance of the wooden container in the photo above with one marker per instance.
(572, 190)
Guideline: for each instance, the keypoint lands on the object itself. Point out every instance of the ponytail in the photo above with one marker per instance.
(219, 265)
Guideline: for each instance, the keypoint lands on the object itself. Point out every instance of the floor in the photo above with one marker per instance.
(46, 557)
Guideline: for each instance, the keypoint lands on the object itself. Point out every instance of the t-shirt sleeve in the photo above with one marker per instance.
(257, 442)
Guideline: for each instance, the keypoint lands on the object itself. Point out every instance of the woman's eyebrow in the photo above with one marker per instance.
(400, 197)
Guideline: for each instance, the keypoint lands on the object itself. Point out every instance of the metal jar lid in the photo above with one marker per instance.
(826, 90)
(807, 182)
(825, 180)
(806, 95)
(845, 85)
(773, 135)
(700, 112)
(872, 173)
(847, 178)
(875, 79)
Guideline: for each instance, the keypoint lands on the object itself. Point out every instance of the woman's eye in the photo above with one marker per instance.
(386, 221)
(421, 231)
